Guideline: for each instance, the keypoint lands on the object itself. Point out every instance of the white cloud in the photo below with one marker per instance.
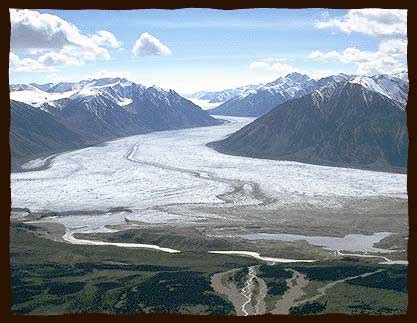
(45, 63)
(275, 65)
(375, 22)
(57, 59)
(394, 47)
(388, 24)
(59, 77)
(389, 58)
(106, 39)
(147, 44)
(50, 42)
(33, 30)
(13, 59)
(27, 65)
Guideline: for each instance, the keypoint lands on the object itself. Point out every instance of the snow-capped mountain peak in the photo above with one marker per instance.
(22, 87)
(257, 101)
(290, 80)
(207, 99)
(298, 77)
(96, 110)
(157, 88)
(117, 90)
(403, 75)
(394, 86)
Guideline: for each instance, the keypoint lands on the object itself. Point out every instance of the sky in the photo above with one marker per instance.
(189, 50)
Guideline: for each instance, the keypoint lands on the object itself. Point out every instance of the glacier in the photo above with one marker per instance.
(176, 167)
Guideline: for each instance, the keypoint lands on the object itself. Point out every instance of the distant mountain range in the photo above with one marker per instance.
(343, 120)
(215, 98)
(92, 111)
(258, 100)
(220, 96)
(356, 122)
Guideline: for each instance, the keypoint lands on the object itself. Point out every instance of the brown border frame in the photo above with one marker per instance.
(5, 304)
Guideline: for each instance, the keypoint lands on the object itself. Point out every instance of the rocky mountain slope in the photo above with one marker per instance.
(348, 123)
(258, 101)
(98, 110)
(33, 131)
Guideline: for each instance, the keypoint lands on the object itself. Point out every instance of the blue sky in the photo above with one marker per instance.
(208, 49)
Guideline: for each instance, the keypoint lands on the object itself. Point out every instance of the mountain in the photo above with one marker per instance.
(116, 89)
(43, 87)
(33, 131)
(162, 110)
(393, 86)
(213, 99)
(101, 109)
(22, 87)
(97, 118)
(348, 123)
(258, 101)
(221, 96)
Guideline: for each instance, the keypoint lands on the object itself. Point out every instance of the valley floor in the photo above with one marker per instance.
(171, 201)
(51, 277)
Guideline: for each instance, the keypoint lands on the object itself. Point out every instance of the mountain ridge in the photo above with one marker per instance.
(97, 110)
(256, 102)
(344, 124)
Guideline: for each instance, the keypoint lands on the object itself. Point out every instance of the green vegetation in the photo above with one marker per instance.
(170, 291)
(185, 239)
(239, 277)
(392, 278)
(275, 277)
(52, 277)
(380, 293)
(332, 273)
(347, 298)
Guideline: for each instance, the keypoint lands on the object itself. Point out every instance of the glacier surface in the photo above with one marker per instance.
(145, 172)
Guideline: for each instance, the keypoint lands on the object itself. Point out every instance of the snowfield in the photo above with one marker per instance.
(145, 172)
(37, 97)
